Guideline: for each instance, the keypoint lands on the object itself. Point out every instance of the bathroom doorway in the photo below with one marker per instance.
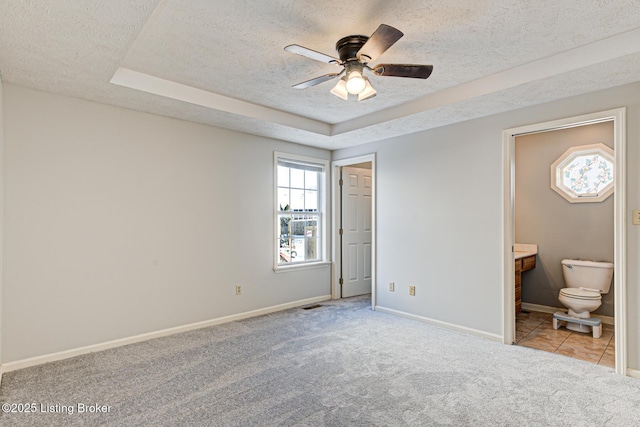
(562, 226)
(549, 224)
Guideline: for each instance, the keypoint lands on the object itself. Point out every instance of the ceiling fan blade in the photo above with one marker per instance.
(381, 40)
(403, 70)
(310, 53)
(316, 81)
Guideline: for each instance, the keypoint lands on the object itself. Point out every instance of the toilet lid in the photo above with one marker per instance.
(578, 293)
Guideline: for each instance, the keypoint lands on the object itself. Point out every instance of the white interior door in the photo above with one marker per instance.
(356, 235)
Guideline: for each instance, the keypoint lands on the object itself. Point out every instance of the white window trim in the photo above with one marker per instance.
(322, 209)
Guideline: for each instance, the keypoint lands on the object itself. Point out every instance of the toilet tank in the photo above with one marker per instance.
(587, 274)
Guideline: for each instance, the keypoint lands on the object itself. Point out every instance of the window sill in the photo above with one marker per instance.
(288, 268)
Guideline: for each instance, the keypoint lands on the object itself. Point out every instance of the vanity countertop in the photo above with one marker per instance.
(524, 250)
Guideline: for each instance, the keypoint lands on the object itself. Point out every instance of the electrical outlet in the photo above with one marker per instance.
(392, 286)
(412, 291)
(238, 290)
(636, 217)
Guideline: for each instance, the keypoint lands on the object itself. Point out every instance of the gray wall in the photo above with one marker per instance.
(440, 214)
(95, 194)
(119, 223)
(559, 228)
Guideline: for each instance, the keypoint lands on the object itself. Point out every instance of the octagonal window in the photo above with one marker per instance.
(584, 174)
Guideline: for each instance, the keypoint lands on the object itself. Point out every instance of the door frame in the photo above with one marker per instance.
(618, 117)
(335, 222)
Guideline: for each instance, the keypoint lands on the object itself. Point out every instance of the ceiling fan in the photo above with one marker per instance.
(355, 54)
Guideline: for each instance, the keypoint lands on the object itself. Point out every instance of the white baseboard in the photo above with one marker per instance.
(446, 325)
(633, 373)
(608, 320)
(66, 354)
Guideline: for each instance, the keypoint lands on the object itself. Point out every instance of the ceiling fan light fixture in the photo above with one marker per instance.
(340, 89)
(368, 92)
(355, 82)
(355, 53)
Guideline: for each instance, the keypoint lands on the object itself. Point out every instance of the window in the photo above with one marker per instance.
(584, 174)
(300, 199)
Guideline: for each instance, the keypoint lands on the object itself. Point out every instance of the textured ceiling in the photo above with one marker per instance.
(222, 62)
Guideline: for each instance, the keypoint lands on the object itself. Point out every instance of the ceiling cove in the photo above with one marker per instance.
(574, 59)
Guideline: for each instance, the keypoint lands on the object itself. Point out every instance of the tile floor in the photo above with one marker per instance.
(535, 330)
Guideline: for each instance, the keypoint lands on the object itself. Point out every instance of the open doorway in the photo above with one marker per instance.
(617, 118)
(353, 248)
(565, 223)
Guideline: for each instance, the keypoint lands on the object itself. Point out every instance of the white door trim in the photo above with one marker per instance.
(335, 223)
(618, 116)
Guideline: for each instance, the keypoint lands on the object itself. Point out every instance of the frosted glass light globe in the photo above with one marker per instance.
(355, 82)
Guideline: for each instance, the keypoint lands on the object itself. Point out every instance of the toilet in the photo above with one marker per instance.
(586, 282)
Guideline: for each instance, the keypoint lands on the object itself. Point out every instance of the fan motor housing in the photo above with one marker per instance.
(349, 46)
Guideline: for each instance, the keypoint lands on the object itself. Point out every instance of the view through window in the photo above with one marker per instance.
(299, 221)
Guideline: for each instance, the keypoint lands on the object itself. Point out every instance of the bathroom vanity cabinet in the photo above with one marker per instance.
(523, 262)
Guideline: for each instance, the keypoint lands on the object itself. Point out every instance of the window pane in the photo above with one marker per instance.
(298, 207)
(298, 238)
(283, 176)
(297, 226)
(283, 229)
(297, 178)
(297, 248)
(283, 199)
(284, 236)
(310, 238)
(311, 249)
(304, 238)
(587, 174)
(311, 200)
(311, 180)
(297, 199)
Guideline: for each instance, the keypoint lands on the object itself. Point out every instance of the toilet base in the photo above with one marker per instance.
(584, 325)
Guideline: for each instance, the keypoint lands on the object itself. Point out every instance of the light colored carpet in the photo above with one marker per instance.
(338, 365)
